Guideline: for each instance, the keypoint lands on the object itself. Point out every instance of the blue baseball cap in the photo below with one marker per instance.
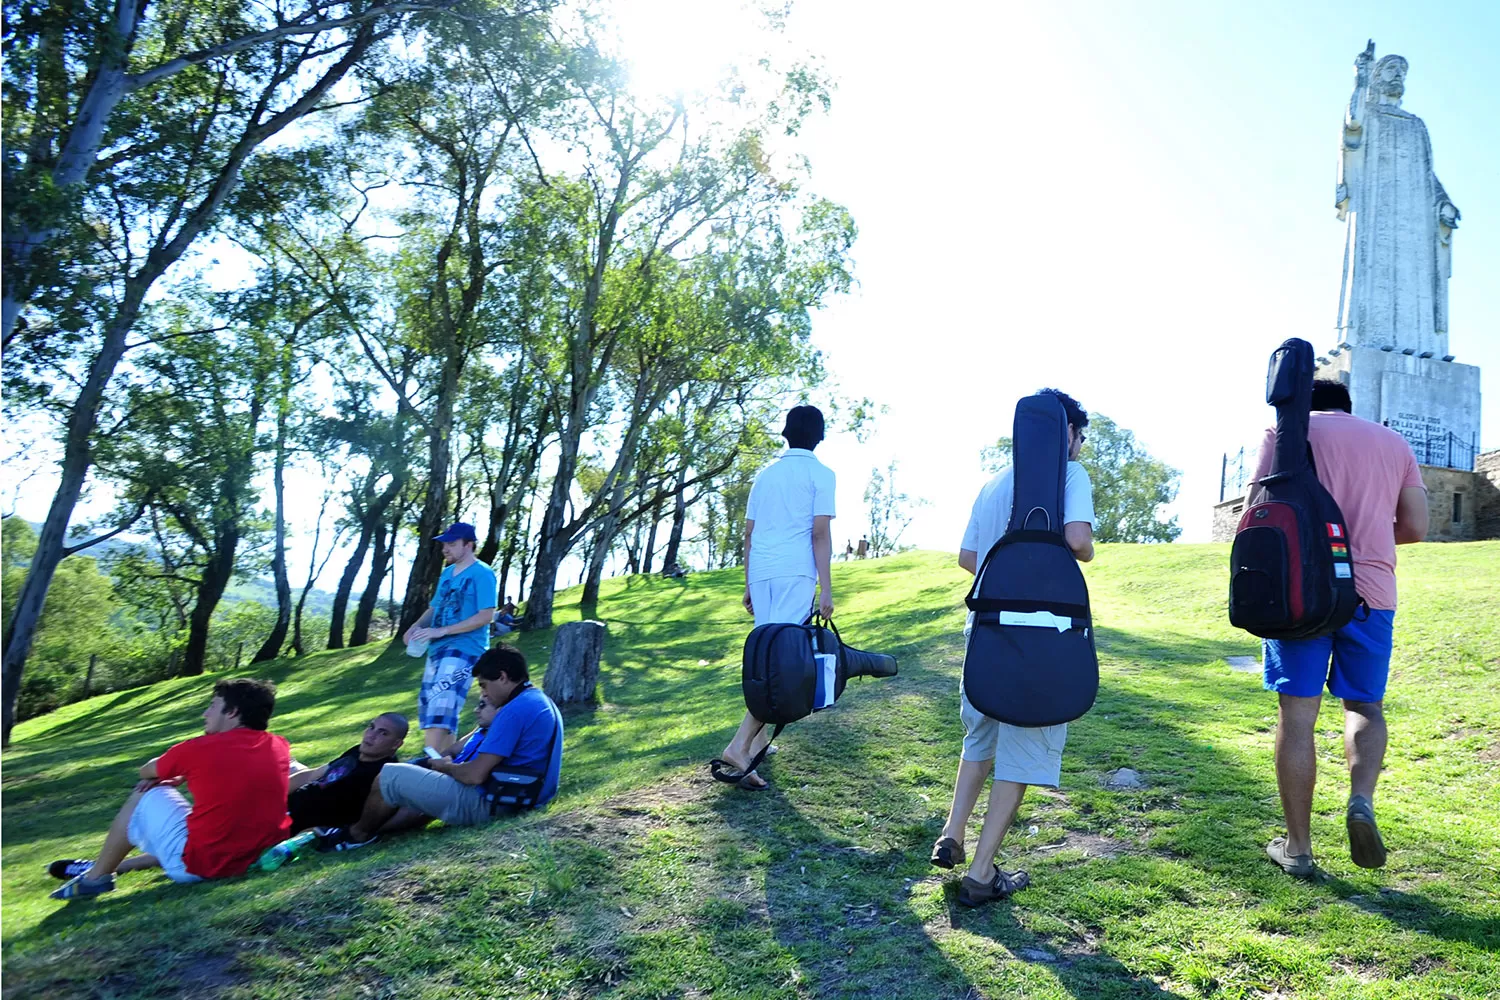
(458, 531)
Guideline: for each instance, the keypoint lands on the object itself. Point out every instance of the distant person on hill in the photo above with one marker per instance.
(1373, 476)
(520, 736)
(788, 551)
(334, 794)
(457, 627)
(848, 549)
(237, 775)
(864, 548)
(1020, 756)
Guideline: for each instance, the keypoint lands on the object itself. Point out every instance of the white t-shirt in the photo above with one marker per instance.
(991, 515)
(786, 496)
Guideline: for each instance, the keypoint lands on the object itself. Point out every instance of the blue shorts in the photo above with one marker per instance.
(1361, 655)
(445, 685)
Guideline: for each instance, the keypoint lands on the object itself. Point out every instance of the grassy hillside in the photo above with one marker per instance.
(646, 879)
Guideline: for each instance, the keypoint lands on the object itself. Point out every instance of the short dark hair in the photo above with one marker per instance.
(1331, 394)
(398, 721)
(502, 659)
(1078, 417)
(252, 700)
(804, 427)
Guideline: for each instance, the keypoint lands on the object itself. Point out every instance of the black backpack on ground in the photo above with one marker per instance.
(1030, 659)
(780, 677)
(1290, 575)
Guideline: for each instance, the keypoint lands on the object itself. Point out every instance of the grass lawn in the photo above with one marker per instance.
(647, 879)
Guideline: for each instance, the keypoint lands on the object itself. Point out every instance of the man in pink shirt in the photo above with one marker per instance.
(1373, 476)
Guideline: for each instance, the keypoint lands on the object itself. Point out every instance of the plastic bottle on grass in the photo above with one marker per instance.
(288, 850)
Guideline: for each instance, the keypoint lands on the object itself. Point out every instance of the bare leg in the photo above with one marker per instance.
(116, 841)
(406, 818)
(738, 751)
(438, 738)
(1005, 800)
(377, 813)
(138, 863)
(1364, 745)
(1296, 768)
(966, 789)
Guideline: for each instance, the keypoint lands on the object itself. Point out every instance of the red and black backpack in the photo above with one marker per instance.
(1290, 575)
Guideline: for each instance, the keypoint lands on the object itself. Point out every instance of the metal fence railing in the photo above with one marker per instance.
(1234, 475)
(1443, 448)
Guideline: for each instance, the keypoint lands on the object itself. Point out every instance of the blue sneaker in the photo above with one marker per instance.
(68, 868)
(81, 888)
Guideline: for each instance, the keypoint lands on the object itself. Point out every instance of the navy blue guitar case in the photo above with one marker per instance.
(1030, 659)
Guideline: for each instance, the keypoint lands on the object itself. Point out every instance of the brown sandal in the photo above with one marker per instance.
(947, 853)
(975, 893)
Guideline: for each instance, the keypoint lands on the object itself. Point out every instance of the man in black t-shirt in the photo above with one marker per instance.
(332, 795)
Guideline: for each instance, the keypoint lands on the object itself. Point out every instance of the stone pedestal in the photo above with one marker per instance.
(1432, 403)
(573, 670)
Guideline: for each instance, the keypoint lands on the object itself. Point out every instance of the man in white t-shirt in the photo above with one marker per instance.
(788, 550)
(1020, 756)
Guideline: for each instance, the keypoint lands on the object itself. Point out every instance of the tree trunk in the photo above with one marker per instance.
(271, 648)
(491, 548)
(77, 457)
(209, 592)
(379, 565)
(679, 519)
(573, 671)
(651, 540)
(372, 524)
(346, 585)
(427, 564)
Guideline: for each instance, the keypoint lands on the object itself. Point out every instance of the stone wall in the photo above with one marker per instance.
(1450, 492)
(1227, 518)
(1487, 495)
(1473, 496)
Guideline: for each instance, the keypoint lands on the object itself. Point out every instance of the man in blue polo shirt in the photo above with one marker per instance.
(477, 785)
(457, 626)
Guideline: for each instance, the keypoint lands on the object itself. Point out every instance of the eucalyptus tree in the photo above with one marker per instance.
(657, 179)
(126, 128)
(190, 459)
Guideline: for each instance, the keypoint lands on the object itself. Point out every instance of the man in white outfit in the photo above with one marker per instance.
(788, 551)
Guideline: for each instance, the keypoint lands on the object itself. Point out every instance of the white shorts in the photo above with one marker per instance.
(783, 599)
(159, 827)
(1023, 755)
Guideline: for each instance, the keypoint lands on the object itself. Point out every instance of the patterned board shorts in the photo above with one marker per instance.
(445, 686)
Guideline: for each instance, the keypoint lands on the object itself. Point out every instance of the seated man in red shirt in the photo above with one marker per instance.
(237, 775)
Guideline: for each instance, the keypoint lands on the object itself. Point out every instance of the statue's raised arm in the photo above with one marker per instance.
(1354, 126)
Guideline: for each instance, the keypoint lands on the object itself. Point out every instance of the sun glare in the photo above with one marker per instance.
(678, 46)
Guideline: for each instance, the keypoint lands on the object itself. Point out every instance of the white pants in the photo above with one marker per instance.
(158, 826)
(783, 599)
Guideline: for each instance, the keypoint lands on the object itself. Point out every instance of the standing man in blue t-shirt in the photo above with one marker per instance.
(457, 626)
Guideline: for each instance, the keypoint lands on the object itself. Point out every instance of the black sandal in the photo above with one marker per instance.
(975, 893)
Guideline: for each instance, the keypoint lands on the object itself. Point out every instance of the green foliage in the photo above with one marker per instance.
(79, 623)
(1130, 487)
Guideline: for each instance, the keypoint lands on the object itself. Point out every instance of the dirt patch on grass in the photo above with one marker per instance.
(1491, 753)
(1091, 845)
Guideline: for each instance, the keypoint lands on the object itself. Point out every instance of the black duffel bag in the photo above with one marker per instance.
(791, 671)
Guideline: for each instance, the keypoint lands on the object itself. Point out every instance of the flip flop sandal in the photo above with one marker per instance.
(1296, 865)
(947, 853)
(1366, 849)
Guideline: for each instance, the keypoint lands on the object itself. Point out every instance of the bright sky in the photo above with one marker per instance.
(1132, 202)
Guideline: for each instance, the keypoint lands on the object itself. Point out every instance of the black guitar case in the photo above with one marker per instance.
(1291, 575)
(1030, 660)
